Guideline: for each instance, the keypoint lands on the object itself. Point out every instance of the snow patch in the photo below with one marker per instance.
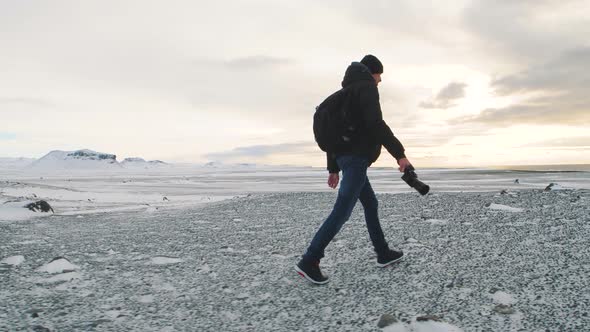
(505, 208)
(500, 297)
(429, 326)
(13, 260)
(58, 265)
(437, 221)
(13, 211)
(163, 260)
(146, 299)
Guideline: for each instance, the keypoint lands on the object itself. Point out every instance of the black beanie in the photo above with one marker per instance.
(373, 64)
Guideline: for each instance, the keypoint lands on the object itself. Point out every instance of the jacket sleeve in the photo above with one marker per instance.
(332, 165)
(373, 119)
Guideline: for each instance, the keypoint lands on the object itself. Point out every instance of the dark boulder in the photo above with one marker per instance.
(39, 206)
(386, 320)
(426, 318)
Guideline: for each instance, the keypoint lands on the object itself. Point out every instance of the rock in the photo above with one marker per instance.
(386, 320)
(40, 328)
(39, 206)
(503, 309)
(97, 322)
(92, 155)
(553, 186)
(504, 192)
(34, 312)
(134, 160)
(165, 198)
(426, 318)
(516, 181)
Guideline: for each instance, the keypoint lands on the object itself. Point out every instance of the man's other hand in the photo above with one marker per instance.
(403, 163)
(333, 179)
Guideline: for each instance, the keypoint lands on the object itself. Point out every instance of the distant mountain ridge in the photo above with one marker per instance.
(78, 159)
(140, 162)
(89, 159)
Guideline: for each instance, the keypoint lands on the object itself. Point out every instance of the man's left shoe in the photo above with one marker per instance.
(389, 257)
(310, 270)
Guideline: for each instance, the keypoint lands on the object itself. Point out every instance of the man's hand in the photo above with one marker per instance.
(403, 163)
(333, 179)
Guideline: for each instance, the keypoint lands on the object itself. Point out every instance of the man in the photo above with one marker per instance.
(371, 132)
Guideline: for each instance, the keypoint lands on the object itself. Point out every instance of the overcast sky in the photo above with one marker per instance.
(470, 83)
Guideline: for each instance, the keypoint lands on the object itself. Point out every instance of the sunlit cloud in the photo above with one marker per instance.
(447, 96)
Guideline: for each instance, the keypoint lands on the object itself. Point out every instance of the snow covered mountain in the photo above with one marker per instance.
(136, 162)
(79, 159)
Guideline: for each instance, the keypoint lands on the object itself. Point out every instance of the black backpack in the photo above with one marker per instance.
(332, 126)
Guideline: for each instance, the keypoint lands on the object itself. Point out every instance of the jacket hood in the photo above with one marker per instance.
(356, 72)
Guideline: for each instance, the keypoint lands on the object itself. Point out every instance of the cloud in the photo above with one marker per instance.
(257, 152)
(447, 96)
(567, 72)
(559, 93)
(567, 142)
(257, 62)
(35, 102)
(402, 20)
(526, 31)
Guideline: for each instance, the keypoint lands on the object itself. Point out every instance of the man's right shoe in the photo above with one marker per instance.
(389, 257)
(310, 270)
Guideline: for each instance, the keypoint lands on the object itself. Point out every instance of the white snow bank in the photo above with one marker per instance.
(98, 197)
(506, 208)
(13, 260)
(429, 326)
(161, 260)
(500, 297)
(58, 266)
(16, 211)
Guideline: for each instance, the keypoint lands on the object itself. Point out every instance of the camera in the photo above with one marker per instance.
(411, 179)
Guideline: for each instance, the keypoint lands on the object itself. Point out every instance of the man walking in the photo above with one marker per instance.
(371, 132)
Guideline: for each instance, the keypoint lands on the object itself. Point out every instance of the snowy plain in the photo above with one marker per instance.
(213, 248)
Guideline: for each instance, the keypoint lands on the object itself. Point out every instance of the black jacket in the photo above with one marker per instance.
(364, 112)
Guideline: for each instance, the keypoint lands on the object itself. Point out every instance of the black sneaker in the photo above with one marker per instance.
(389, 257)
(311, 272)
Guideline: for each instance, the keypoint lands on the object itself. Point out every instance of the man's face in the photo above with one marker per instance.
(377, 78)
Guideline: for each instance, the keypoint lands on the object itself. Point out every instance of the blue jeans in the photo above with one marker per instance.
(354, 186)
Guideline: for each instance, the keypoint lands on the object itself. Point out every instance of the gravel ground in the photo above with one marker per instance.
(471, 261)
